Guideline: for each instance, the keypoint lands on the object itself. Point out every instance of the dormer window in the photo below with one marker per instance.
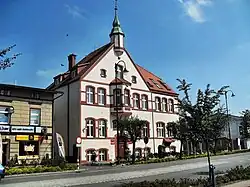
(103, 73)
(134, 79)
(156, 84)
(57, 81)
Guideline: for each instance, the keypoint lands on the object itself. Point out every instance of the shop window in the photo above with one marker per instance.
(4, 115)
(35, 115)
(27, 148)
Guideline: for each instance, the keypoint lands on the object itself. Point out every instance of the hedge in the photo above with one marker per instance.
(39, 169)
(236, 174)
(169, 159)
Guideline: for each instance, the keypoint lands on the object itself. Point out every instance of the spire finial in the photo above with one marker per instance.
(116, 7)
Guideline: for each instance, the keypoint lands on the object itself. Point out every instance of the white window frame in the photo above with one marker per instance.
(157, 103)
(145, 130)
(90, 125)
(160, 130)
(89, 155)
(136, 101)
(171, 105)
(101, 96)
(103, 155)
(102, 128)
(35, 114)
(126, 97)
(164, 105)
(144, 100)
(90, 95)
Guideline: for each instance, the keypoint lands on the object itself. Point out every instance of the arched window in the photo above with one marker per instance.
(144, 100)
(90, 128)
(101, 96)
(90, 94)
(103, 155)
(171, 105)
(136, 101)
(160, 128)
(164, 105)
(157, 104)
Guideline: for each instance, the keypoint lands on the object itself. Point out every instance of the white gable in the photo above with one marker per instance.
(108, 63)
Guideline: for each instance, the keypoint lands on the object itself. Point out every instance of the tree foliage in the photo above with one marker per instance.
(245, 124)
(6, 62)
(204, 117)
(133, 126)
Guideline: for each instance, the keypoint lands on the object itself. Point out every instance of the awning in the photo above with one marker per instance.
(168, 140)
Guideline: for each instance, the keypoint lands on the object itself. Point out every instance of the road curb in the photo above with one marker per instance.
(45, 173)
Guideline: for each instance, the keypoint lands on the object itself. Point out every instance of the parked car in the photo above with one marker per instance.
(2, 171)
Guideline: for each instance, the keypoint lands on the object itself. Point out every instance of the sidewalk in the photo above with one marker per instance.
(239, 184)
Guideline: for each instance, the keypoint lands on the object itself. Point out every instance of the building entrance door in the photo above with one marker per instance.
(5, 153)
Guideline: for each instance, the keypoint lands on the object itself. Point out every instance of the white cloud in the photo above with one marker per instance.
(194, 9)
(75, 11)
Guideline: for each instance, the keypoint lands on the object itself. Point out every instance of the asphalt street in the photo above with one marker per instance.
(109, 176)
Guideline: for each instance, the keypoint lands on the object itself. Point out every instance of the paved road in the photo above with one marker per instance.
(109, 176)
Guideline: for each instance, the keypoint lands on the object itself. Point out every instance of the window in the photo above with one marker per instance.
(170, 132)
(171, 105)
(118, 96)
(90, 95)
(5, 115)
(57, 81)
(114, 124)
(103, 155)
(89, 155)
(164, 105)
(101, 96)
(119, 71)
(136, 101)
(144, 100)
(73, 73)
(126, 97)
(160, 129)
(90, 128)
(156, 84)
(35, 95)
(145, 130)
(102, 128)
(157, 104)
(103, 73)
(134, 79)
(27, 148)
(35, 115)
(146, 151)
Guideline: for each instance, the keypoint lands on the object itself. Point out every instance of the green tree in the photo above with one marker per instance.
(245, 124)
(180, 132)
(6, 62)
(199, 115)
(133, 126)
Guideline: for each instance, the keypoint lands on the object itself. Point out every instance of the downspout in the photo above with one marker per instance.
(153, 121)
(53, 126)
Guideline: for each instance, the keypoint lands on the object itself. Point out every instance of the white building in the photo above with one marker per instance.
(87, 108)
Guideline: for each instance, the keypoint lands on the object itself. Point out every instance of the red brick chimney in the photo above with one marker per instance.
(72, 60)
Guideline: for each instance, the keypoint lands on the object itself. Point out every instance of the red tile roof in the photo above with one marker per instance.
(154, 83)
(119, 81)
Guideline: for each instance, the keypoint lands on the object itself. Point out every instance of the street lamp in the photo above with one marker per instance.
(228, 124)
(116, 101)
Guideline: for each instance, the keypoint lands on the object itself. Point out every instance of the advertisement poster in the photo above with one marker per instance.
(60, 143)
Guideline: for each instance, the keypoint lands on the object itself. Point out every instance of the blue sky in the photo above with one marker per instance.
(202, 41)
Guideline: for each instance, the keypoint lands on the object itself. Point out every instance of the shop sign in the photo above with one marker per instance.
(4, 128)
(26, 137)
(22, 129)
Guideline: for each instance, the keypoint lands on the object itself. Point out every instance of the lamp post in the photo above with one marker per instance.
(116, 102)
(228, 124)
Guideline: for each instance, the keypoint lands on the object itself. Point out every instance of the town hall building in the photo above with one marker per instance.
(103, 85)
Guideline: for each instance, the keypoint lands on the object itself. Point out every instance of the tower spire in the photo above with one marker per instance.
(116, 7)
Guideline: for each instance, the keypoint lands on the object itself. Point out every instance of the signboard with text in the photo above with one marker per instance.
(22, 129)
